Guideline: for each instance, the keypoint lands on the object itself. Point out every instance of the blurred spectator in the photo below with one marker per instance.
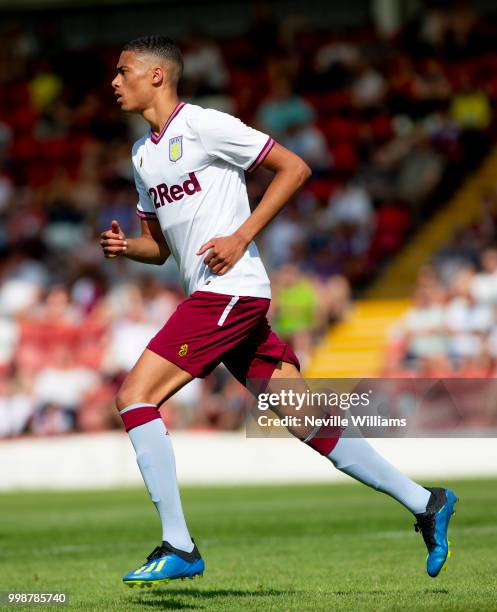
(468, 321)
(45, 87)
(351, 205)
(23, 282)
(470, 107)
(368, 88)
(9, 338)
(205, 75)
(6, 192)
(424, 325)
(296, 300)
(57, 307)
(452, 327)
(59, 391)
(335, 61)
(419, 173)
(282, 109)
(131, 330)
(16, 408)
(264, 30)
(280, 239)
(292, 314)
(431, 88)
(204, 70)
(483, 287)
(307, 141)
(334, 300)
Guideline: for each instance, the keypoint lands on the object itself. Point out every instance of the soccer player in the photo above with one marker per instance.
(189, 173)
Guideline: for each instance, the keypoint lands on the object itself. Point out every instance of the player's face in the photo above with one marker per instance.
(133, 84)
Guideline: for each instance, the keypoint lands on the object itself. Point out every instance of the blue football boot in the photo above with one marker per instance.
(166, 563)
(433, 525)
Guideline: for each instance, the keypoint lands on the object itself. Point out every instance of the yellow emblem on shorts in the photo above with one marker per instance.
(183, 350)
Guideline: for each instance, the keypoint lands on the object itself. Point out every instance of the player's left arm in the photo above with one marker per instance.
(291, 172)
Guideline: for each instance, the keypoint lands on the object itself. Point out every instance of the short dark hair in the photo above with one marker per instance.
(162, 47)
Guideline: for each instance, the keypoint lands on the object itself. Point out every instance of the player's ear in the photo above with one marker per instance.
(158, 75)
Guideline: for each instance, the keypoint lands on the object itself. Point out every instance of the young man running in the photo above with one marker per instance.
(193, 204)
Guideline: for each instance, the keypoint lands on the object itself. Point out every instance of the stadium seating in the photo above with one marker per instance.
(384, 111)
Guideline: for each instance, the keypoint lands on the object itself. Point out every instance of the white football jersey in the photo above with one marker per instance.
(191, 178)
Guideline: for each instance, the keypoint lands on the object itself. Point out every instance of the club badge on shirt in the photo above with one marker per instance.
(175, 148)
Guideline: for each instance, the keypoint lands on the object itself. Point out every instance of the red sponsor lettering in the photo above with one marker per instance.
(162, 193)
(176, 192)
(191, 185)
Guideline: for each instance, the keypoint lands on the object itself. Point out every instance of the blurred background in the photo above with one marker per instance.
(385, 263)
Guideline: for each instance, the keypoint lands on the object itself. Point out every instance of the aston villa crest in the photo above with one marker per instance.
(175, 148)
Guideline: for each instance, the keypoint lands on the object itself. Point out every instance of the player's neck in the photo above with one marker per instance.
(158, 114)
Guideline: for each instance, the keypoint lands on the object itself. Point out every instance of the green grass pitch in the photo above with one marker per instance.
(315, 547)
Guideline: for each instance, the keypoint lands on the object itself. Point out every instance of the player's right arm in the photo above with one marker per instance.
(151, 247)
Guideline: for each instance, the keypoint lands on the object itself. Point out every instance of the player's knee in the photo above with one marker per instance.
(129, 395)
(121, 400)
(286, 369)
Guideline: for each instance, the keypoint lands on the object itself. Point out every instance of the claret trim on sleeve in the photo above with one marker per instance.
(262, 155)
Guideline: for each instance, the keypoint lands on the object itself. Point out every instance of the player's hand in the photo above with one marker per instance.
(223, 253)
(113, 241)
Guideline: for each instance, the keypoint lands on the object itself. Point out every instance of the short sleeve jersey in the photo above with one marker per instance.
(191, 179)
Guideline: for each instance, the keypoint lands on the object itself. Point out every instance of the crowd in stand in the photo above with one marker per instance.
(389, 128)
(451, 328)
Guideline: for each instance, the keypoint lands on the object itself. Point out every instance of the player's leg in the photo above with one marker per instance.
(355, 457)
(263, 361)
(153, 380)
(189, 345)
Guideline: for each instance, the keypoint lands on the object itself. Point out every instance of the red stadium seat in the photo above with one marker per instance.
(329, 103)
(381, 128)
(339, 129)
(345, 158)
(39, 173)
(22, 120)
(25, 148)
(336, 101)
(56, 149)
(392, 225)
(322, 188)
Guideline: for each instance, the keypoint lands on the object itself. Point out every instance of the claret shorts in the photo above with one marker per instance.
(208, 328)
